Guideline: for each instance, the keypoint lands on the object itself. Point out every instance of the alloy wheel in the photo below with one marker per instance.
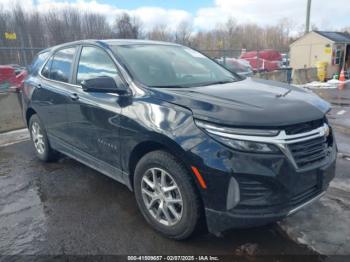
(38, 138)
(162, 196)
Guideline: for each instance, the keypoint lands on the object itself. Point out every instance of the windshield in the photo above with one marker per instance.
(171, 66)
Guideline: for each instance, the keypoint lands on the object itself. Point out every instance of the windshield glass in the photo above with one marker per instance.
(171, 66)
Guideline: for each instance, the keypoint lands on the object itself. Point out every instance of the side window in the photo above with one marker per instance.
(46, 69)
(94, 63)
(61, 65)
(38, 61)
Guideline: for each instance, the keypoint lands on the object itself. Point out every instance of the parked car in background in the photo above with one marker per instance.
(194, 141)
(238, 66)
(263, 61)
(285, 60)
(11, 77)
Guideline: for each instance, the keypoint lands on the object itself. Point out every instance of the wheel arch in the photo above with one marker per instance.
(148, 146)
(29, 113)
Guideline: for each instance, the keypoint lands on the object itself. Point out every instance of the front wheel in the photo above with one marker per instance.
(41, 143)
(166, 195)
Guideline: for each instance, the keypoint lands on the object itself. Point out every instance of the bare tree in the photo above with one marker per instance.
(95, 26)
(35, 23)
(4, 19)
(71, 19)
(183, 33)
(161, 32)
(127, 27)
(56, 31)
(38, 29)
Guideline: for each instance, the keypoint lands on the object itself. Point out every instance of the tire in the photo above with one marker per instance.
(175, 175)
(45, 152)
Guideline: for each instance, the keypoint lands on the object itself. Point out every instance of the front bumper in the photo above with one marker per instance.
(270, 186)
(218, 221)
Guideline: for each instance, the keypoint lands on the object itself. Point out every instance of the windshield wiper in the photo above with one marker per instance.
(218, 83)
(195, 84)
(171, 86)
(285, 94)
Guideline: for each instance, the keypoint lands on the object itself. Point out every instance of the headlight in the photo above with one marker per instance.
(247, 146)
(235, 137)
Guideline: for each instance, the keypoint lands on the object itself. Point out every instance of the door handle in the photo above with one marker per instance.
(74, 96)
(39, 86)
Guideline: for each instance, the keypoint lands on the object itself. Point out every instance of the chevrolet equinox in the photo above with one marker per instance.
(193, 141)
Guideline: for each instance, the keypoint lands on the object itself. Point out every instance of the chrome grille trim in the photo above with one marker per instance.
(292, 211)
(282, 140)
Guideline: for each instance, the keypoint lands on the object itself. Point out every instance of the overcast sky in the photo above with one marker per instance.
(205, 14)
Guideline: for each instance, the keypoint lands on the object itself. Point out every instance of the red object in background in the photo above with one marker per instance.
(11, 78)
(266, 60)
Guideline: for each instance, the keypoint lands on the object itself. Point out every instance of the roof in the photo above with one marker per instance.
(134, 42)
(338, 37)
(109, 42)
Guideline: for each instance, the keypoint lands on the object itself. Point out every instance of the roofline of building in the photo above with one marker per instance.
(300, 38)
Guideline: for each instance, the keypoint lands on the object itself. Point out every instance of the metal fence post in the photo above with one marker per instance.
(23, 51)
(18, 55)
(224, 57)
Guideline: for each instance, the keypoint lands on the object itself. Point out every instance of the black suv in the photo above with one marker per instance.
(194, 141)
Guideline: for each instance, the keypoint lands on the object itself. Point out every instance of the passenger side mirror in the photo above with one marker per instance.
(104, 84)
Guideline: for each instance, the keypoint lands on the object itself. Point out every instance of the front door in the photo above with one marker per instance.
(94, 116)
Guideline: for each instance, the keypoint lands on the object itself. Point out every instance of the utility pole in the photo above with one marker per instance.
(308, 11)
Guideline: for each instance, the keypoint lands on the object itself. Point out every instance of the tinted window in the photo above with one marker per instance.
(46, 69)
(93, 63)
(38, 61)
(62, 64)
(171, 66)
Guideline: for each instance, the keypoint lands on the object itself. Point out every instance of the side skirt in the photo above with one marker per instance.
(90, 161)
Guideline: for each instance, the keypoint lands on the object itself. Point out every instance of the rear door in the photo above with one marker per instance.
(52, 92)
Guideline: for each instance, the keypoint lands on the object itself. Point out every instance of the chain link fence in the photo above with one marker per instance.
(21, 56)
(223, 53)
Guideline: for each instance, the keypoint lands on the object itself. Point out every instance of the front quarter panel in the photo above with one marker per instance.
(149, 119)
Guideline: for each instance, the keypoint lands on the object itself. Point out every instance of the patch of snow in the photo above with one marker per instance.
(337, 82)
(317, 84)
(343, 184)
(341, 112)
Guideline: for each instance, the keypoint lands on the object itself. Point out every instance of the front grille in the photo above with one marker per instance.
(252, 189)
(304, 127)
(304, 196)
(309, 152)
(273, 208)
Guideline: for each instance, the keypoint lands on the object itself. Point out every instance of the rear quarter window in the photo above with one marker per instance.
(61, 64)
(38, 61)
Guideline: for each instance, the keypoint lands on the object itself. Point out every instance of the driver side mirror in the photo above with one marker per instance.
(104, 84)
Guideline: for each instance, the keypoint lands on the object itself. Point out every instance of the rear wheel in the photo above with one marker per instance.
(41, 143)
(166, 195)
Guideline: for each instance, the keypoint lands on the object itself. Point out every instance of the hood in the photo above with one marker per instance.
(250, 102)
